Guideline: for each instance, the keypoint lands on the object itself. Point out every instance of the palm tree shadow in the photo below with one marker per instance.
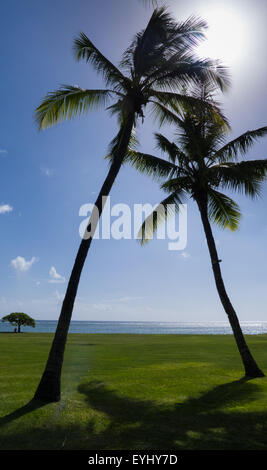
(31, 406)
(200, 423)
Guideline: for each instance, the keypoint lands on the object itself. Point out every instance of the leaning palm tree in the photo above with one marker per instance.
(153, 70)
(201, 165)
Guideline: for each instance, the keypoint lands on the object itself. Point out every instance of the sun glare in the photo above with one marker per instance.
(225, 37)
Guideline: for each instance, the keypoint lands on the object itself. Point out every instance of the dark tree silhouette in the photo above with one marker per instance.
(19, 319)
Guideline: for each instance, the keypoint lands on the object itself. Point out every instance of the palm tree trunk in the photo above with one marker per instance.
(251, 368)
(49, 387)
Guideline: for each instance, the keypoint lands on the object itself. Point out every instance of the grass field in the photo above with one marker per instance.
(134, 392)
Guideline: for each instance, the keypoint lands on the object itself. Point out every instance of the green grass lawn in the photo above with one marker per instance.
(134, 392)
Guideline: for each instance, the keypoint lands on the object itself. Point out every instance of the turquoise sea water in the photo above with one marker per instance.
(195, 328)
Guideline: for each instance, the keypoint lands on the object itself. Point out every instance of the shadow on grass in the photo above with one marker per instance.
(32, 405)
(197, 423)
(119, 422)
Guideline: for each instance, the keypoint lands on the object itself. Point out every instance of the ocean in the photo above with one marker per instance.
(169, 328)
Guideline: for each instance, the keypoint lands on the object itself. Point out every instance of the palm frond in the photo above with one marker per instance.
(206, 107)
(174, 152)
(122, 108)
(117, 109)
(85, 49)
(149, 45)
(191, 70)
(163, 115)
(68, 102)
(181, 184)
(114, 145)
(245, 177)
(167, 207)
(177, 46)
(155, 167)
(240, 145)
(223, 211)
(189, 32)
(178, 105)
(214, 137)
(256, 168)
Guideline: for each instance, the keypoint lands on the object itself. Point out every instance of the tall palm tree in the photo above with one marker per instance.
(153, 70)
(200, 165)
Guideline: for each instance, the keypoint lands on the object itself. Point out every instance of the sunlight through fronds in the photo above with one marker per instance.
(68, 102)
(157, 64)
(222, 210)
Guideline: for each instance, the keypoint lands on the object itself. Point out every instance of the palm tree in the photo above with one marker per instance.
(153, 70)
(200, 165)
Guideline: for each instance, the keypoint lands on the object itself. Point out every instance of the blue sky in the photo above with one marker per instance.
(46, 176)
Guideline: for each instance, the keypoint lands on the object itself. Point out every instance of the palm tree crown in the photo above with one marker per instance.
(201, 165)
(155, 67)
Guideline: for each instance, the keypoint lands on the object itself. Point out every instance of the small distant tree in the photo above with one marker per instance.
(19, 319)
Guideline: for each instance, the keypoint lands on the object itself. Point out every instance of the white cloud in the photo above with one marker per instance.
(20, 263)
(3, 151)
(107, 305)
(102, 307)
(55, 277)
(185, 254)
(47, 172)
(149, 309)
(4, 208)
(125, 299)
